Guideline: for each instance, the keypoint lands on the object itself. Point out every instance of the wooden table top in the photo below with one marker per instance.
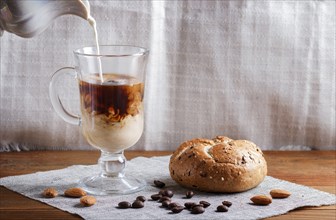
(316, 169)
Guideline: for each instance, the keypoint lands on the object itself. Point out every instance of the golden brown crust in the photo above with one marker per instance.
(218, 165)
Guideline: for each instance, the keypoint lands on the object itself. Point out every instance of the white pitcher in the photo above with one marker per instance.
(27, 18)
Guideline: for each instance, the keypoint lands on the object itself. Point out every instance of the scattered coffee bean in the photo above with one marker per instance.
(189, 205)
(222, 208)
(163, 198)
(205, 204)
(168, 193)
(159, 184)
(141, 198)
(189, 194)
(177, 209)
(162, 192)
(156, 197)
(137, 204)
(124, 205)
(197, 209)
(172, 205)
(227, 203)
(165, 203)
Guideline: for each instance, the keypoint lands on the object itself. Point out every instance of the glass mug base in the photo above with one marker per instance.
(102, 185)
(111, 179)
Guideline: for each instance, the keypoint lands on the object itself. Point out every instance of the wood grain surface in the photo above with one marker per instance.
(316, 169)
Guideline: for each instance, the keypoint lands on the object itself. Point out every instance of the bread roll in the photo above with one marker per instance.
(218, 165)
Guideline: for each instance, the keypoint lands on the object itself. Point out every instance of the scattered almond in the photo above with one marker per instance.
(88, 200)
(279, 193)
(74, 192)
(50, 192)
(261, 200)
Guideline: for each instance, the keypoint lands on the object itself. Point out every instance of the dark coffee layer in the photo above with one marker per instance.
(117, 97)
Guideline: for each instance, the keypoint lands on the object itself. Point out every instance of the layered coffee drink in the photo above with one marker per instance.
(112, 111)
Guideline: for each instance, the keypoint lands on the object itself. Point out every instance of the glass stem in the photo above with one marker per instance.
(112, 164)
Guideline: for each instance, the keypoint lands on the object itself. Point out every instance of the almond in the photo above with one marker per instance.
(50, 192)
(88, 200)
(261, 200)
(74, 192)
(279, 193)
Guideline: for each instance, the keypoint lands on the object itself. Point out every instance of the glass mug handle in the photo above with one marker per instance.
(56, 101)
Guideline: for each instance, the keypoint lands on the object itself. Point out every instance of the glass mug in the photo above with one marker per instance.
(111, 89)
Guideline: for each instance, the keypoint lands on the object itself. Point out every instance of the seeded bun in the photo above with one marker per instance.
(218, 165)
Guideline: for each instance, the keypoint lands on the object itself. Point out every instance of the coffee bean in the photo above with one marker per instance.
(124, 205)
(156, 197)
(141, 198)
(177, 209)
(197, 209)
(189, 205)
(227, 203)
(165, 203)
(163, 198)
(162, 192)
(168, 193)
(222, 208)
(173, 204)
(189, 194)
(137, 204)
(205, 204)
(159, 184)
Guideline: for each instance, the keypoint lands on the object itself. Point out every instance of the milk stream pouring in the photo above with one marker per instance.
(93, 23)
(27, 18)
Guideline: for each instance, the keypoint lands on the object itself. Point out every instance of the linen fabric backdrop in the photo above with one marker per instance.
(257, 70)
